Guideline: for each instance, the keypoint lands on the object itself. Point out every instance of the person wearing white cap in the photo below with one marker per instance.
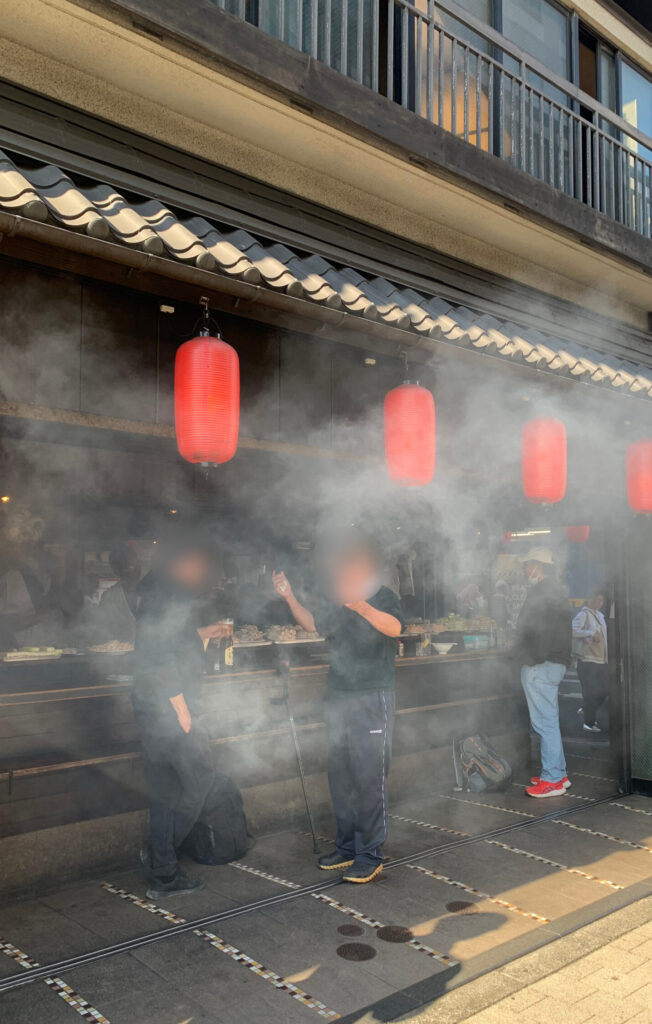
(543, 640)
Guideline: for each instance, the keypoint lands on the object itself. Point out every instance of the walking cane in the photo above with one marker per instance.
(283, 670)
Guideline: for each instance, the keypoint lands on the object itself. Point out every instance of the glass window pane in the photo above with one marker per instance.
(482, 9)
(637, 102)
(608, 92)
(540, 29)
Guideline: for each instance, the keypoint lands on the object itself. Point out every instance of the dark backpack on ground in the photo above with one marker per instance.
(478, 768)
(220, 835)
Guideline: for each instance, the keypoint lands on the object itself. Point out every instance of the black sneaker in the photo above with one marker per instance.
(334, 861)
(179, 886)
(362, 873)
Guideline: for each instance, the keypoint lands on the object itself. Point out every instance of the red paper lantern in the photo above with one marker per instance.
(207, 400)
(639, 475)
(578, 534)
(410, 435)
(543, 454)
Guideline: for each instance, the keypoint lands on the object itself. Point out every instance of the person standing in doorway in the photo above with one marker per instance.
(590, 646)
(543, 642)
(362, 620)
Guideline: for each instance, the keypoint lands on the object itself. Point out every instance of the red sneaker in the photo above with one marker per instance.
(546, 789)
(566, 782)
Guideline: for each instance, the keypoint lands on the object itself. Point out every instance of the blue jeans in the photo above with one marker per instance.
(541, 686)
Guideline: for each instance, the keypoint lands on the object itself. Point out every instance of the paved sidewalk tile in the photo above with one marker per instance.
(612, 984)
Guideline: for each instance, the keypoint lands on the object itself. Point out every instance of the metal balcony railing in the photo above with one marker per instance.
(436, 59)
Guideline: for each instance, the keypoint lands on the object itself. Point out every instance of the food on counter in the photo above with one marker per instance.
(248, 634)
(32, 653)
(112, 647)
(282, 634)
(452, 623)
(305, 634)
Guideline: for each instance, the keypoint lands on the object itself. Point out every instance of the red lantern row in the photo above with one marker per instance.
(207, 415)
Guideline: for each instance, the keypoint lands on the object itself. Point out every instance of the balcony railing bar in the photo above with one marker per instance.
(417, 60)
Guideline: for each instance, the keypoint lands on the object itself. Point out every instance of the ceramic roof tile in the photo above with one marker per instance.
(123, 220)
(228, 257)
(66, 203)
(176, 237)
(17, 195)
(98, 209)
(373, 289)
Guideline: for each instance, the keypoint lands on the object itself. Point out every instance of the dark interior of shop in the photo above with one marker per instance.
(72, 796)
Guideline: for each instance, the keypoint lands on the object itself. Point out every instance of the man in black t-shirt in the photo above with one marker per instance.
(361, 619)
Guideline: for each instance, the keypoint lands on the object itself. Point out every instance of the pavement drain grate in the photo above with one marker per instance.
(351, 930)
(394, 933)
(356, 951)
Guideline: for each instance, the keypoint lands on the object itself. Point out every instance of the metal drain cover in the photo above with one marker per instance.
(394, 933)
(357, 951)
(350, 929)
(461, 907)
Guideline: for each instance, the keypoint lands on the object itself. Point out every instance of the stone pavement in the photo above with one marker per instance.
(601, 974)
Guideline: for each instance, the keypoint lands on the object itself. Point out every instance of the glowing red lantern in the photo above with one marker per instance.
(639, 475)
(410, 435)
(543, 454)
(207, 398)
(578, 534)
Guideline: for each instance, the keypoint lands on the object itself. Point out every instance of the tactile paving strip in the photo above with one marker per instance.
(138, 901)
(264, 972)
(636, 810)
(267, 975)
(601, 835)
(598, 778)
(554, 864)
(413, 943)
(483, 895)
(263, 874)
(73, 999)
(573, 796)
(427, 824)
(83, 1008)
(515, 849)
(22, 959)
(480, 803)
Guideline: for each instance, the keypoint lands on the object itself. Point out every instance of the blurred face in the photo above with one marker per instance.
(596, 602)
(533, 571)
(191, 571)
(130, 574)
(353, 574)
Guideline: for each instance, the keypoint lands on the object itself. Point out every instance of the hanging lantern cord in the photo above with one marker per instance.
(206, 321)
(406, 365)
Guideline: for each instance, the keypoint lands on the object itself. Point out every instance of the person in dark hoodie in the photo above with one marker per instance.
(179, 769)
(543, 642)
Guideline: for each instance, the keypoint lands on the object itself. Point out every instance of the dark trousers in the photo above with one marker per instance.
(594, 679)
(179, 773)
(359, 728)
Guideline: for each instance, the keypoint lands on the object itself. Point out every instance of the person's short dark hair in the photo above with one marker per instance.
(120, 558)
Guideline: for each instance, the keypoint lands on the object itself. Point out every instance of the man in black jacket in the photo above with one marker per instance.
(543, 640)
(178, 765)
